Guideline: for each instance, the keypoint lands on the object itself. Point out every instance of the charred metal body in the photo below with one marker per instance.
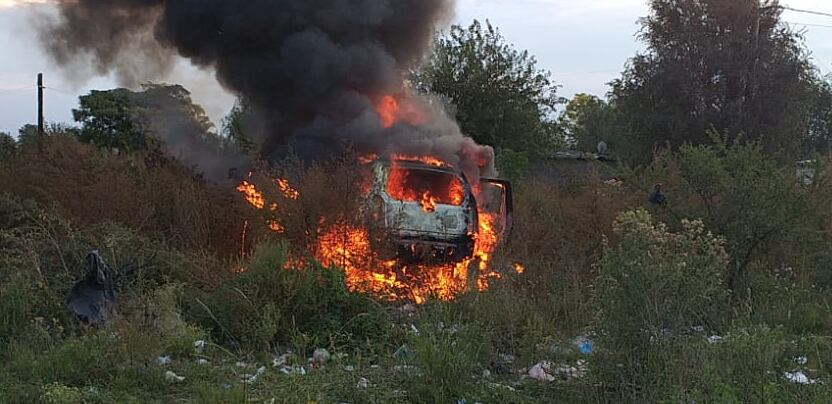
(425, 220)
(429, 212)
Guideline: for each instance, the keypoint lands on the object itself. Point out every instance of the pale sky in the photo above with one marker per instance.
(584, 43)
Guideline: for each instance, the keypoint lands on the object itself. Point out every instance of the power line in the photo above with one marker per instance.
(64, 92)
(808, 25)
(11, 90)
(798, 10)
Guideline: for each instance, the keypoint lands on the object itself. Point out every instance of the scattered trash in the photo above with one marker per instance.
(199, 346)
(402, 353)
(93, 299)
(801, 360)
(799, 378)
(714, 339)
(349, 368)
(202, 362)
(251, 378)
(164, 360)
(173, 377)
(584, 344)
(414, 329)
(241, 364)
(409, 369)
(501, 386)
(568, 372)
(281, 360)
(374, 366)
(321, 356)
(540, 372)
(363, 383)
(486, 374)
(293, 370)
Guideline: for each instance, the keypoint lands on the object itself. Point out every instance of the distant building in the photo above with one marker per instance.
(571, 167)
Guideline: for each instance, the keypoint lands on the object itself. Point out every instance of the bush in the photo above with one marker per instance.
(511, 164)
(654, 286)
(449, 353)
(765, 214)
(148, 192)
(268, 306)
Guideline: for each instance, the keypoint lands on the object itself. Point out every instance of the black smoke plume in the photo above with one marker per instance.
(314, 70)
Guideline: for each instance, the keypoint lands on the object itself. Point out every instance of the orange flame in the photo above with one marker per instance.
(253, 196)
(392, 110)
(519, 268)
(257, 200)
(286, 189)
(428, 202)
(387, 109)
(348, 247)
(428, 160)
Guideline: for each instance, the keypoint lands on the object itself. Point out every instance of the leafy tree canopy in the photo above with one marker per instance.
(732, 66)
(501, 97)
(129, 121)
(7, 146)
(589, 120)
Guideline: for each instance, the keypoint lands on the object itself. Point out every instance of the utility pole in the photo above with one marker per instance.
(40, 112)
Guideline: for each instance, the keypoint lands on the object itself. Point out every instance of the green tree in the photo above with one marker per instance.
(732, 66)
(27, 135)
(589, 120)
(820, 123)
(501, 97)
(240, 127)
(765, 213)
(108, 120)
(130, 121)
(8, 146)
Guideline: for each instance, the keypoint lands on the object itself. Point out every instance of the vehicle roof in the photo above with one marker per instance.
(415, 165)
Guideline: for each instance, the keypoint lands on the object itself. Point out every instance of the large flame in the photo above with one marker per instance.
(348, 247)
(399, 187)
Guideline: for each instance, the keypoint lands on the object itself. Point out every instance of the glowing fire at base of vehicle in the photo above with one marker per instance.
(348, 248)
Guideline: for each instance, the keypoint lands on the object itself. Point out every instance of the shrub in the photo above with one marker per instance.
(448, 352)
(654, 286)
(511, 164)
(148, 192)
(766, 216)
(267, 305)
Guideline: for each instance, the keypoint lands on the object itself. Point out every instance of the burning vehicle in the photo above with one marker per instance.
(320, 77)
(430, 210)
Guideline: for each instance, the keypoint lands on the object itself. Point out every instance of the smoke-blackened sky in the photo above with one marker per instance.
(312, 69)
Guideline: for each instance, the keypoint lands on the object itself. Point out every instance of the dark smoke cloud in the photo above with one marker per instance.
(107, 36)
(313, 69)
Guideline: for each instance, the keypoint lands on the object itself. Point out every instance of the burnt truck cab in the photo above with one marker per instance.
(430, 212)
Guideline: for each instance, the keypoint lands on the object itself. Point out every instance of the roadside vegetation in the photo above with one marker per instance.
(720, 294)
